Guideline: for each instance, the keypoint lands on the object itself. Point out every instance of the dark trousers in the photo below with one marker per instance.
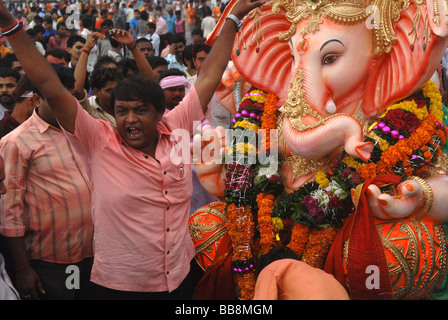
(55, 277)
(185, 291)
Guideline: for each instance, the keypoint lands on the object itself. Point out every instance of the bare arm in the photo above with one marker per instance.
(216, 62)
(81, 67)
(125, 38)
(27, 281)
(41, 74)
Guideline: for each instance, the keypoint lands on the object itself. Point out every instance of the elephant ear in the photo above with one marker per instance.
(261, 58)
(418, 50)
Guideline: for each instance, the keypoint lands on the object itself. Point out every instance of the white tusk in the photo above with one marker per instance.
(331, 107)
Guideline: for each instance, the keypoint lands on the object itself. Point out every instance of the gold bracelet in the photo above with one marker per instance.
(429, 199)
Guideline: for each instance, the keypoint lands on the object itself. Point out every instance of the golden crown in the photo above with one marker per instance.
(382, 13)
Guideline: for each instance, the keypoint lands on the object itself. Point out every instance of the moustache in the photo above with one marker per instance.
(6, 95)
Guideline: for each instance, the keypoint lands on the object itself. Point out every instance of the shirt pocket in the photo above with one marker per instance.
(181, 187)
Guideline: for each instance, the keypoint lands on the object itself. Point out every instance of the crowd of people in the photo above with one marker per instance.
(86, 115)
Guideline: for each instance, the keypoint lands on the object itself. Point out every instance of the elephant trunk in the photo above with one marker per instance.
(336, 131)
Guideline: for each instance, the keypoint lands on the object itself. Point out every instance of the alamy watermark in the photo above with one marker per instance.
(73, 281)
(74, 18)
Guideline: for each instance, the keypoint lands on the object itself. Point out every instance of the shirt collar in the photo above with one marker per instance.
(41, 125)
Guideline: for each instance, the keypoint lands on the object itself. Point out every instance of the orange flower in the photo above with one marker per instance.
(269, 120)
(267, 236)
(241, 231)
(299, 238)
(402, 150)
(318, 245)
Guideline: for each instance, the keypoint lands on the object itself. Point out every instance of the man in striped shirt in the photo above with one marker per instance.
(47, 210)
(7, 290)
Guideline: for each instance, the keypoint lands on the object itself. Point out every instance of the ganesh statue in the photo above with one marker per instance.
(348, 132)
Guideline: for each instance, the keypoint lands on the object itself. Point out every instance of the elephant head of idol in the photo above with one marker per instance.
(336, 63)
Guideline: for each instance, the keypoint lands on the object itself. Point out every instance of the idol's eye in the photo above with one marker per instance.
(329, 59)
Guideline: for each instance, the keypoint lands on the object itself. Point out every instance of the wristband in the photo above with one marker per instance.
(23, 267)
(11, 26)
(135, 44)
(12, 30)
(237, 21)
(15, 34)
(86, 51)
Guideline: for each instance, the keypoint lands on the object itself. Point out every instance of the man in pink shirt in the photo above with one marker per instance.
(140, 196)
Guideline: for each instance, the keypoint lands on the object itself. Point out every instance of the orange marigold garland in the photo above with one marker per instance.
(241, 231)
(267, 236)
(239, 195)
(299, 238)
(266, 196)
(269, 120)
(318, 245)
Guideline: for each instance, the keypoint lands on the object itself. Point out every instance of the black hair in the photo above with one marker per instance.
(140, 40)
(197, 31)
(73, 39)
(101, 76)
(60, 24)
(8, 60)
(87, 22)
(107, 23)
(31, 33)
(144, 15)
(139, 88)
(176, 38)
(65, 74)
(156, 61)
(199, 47)
(38, 28)
(102, 60)
(276, 253)
(38, 18)
(128, 66)
(48, 20)
(172, 72)
(8, 72)
(151, 25)
(188, 54)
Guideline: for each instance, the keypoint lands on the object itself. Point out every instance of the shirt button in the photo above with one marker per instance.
(167, 229)
(167, 252)
(146, 157)
(167, 272)
(164, 172)
(166, 192)
(167, 208)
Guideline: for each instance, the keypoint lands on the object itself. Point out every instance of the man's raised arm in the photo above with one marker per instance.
(214, 66)
(39, 70)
